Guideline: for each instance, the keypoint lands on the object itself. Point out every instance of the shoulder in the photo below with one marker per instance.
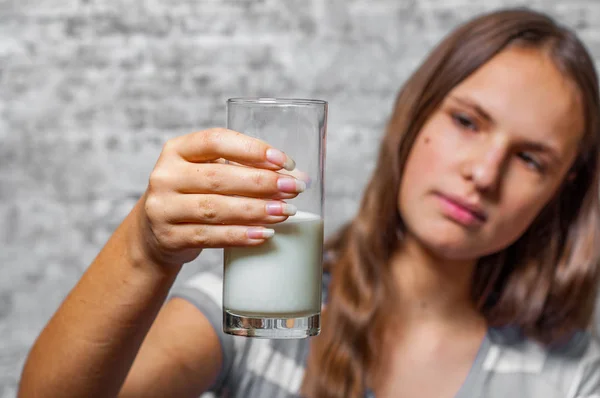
(571, 368)
(586, 363)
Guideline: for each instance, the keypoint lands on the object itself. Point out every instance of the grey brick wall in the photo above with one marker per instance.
(90, 89)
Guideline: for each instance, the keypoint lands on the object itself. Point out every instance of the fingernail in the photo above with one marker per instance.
(301, 175)
(289, 164)
(281, 209)
(260, 233)
(307, 180)
(289, 210)
(279, 158)
(290, 185)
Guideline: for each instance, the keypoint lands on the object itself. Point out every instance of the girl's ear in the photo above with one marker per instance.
(571, 176)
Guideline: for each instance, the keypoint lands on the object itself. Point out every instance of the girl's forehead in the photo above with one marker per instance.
(526, 94)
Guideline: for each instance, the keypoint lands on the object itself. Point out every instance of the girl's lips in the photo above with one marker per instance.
(464, 213)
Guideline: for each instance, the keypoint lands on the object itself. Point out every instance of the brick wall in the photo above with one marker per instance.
(90, 89)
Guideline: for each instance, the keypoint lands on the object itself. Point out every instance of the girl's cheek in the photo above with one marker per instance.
(428, 156)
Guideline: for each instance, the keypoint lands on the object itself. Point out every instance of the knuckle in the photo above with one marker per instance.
(258, 179)
(169, 146)
(152, 207)
(232, 236)
(212, 138)
(213, 180)
(207, 208)
(158, 179)
(249, 208)
(201, 237)
(165, 237)
(253, 146)
(202, 140)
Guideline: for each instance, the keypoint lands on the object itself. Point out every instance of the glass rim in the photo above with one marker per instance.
(275, 101)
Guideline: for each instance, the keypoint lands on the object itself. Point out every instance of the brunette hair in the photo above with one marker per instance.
(545, 283)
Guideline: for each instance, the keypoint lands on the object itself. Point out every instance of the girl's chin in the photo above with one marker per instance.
(451, 246)
(446, 239)
(453, 251)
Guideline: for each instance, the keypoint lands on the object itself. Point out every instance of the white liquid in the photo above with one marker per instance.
(281, 277)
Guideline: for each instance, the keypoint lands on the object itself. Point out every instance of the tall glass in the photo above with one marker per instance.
(274, 290)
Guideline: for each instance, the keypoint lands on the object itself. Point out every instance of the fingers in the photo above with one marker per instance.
(221, 210)
(176, 238)
(212, 144)
(229, 179)
(217, 188)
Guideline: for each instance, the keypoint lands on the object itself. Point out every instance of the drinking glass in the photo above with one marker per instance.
(274, 290)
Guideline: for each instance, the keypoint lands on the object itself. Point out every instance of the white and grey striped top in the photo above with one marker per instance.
(507, 364)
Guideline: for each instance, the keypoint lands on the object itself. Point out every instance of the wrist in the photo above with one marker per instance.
(140, 251)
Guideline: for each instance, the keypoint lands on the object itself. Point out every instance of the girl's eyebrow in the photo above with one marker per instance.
(476, 107)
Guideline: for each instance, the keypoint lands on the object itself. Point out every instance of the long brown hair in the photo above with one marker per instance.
(545, 283)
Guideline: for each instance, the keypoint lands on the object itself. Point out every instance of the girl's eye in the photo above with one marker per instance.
(465, 122)
(531, 162)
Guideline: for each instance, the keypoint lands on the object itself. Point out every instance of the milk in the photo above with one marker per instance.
(281, 277)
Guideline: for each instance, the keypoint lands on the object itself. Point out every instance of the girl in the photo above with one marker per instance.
(471, 269)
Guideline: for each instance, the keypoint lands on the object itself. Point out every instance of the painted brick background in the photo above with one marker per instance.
(90, 90)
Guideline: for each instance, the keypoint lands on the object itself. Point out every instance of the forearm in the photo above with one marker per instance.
(90, 343)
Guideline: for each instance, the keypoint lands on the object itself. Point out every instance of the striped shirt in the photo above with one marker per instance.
(507, 364)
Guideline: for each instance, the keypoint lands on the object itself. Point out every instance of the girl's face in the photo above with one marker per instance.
(491, 156)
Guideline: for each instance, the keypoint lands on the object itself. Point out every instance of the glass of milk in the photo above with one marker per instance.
(274, 290)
